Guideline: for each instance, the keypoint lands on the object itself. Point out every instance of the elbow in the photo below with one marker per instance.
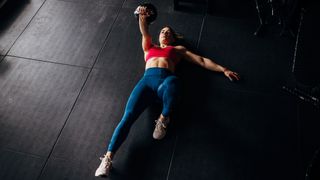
(202, 62)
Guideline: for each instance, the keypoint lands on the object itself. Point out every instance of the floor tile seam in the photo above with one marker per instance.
(24, 29)
(202, 27)
(47, 61)
(77, 98)
(106, 38)
(296, 44)
(22, 153)
(63, 126)
(172, 157)
(107, 4)
(67, 159)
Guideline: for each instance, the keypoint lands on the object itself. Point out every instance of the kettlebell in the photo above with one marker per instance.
(151, 9)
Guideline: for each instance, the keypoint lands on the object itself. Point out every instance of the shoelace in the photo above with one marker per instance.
(160, 124)
(107, 161)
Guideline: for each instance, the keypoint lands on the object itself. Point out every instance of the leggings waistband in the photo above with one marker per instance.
(157, 72)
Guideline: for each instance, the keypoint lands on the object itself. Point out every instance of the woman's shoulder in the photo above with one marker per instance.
(180, 48)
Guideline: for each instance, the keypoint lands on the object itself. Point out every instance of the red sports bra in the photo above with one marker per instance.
(167, 52)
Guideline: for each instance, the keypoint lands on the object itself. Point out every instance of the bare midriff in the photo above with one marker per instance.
(160, 62)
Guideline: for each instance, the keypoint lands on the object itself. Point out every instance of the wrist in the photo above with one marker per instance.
(224, 69)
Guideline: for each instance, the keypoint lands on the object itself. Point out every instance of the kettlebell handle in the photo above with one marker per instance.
(152, 10)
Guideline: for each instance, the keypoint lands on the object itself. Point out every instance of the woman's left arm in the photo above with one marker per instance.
(206, 63)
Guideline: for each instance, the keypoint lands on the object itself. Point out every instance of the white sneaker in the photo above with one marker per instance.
(161, 128)
(105, 167)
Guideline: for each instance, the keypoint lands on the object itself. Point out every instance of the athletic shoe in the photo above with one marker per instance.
(161, 128)
(105, 167)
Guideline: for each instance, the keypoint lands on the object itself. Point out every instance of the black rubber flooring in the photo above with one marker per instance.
(67, 68)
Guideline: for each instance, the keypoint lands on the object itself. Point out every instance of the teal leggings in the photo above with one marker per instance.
(157, 84)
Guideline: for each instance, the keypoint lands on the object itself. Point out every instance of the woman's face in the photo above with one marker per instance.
(166, 36)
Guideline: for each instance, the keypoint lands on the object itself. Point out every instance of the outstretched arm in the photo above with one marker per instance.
(144, 29)
(206, 63)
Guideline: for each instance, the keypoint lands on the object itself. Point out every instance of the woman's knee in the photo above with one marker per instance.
(129, 116)
(172, 80)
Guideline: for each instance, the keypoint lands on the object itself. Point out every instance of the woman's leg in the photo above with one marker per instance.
(141, 97)
(168, 91)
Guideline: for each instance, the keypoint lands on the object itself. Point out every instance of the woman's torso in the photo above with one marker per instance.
(162, 57)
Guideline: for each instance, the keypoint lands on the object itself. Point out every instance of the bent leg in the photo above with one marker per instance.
(141, 97)
(168, 91)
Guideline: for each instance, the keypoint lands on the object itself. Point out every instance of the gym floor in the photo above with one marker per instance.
(67, 68)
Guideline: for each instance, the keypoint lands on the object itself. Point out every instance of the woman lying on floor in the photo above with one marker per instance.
(158, 82)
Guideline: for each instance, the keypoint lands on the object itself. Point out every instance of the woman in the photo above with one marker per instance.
(158, 82)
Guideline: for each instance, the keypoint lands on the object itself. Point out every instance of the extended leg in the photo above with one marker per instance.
(140, 98)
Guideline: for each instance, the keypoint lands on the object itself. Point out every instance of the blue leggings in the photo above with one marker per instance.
(156, 84)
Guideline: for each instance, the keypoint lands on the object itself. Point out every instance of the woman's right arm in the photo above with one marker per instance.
(144, 29)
